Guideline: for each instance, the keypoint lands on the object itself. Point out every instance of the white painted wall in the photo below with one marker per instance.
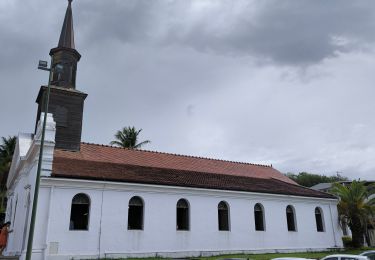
(21, 185)
(108, 235)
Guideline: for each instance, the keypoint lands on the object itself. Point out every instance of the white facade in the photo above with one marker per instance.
(108, 235)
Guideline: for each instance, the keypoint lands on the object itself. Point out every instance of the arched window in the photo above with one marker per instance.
(259, 217)
(135, 213)
(223, 215)
(291, 219)
(182, 219)
(319, 219)
(80, 212)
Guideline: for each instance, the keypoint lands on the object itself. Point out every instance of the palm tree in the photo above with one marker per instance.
(6, 153)
(355, 208)
(128, 138)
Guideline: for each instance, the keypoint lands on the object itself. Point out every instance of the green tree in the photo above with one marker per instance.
(128, 138)
(309, 179)
(355, 208)
(6, 154)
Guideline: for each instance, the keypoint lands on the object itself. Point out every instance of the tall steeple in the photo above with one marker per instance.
(65, 55)
(65, 102)
(67, 32)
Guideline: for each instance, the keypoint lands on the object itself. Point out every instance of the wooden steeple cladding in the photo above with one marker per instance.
(65, 102)
(65, 54)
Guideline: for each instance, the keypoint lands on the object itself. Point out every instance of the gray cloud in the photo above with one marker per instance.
(288, 32)
(189, 74)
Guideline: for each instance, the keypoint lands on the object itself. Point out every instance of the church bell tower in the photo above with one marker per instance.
(65, 102)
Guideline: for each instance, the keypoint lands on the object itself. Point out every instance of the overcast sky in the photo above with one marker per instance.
(287, 83)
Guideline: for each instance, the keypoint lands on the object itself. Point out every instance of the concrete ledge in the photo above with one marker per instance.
(183, 254)
(9, 257)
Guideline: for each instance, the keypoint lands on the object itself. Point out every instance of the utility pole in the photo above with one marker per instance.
(43, 65)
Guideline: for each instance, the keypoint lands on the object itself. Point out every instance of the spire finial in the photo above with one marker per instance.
(67, 33)
(65, 55)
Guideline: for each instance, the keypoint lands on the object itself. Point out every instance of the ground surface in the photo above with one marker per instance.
(313, 255)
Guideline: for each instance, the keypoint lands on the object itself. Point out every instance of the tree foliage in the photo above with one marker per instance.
(309, 179)
(6, 154)
(128, 138)
(355, 208)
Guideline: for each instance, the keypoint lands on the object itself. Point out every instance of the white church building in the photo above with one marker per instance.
(102, 201)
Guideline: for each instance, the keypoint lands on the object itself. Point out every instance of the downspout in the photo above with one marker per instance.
(48, 222)
(333, 226)
(100, 224)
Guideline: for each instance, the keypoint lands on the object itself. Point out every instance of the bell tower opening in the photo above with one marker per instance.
(65, 102)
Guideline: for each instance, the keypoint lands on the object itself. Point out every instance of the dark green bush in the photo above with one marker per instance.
(347, 241)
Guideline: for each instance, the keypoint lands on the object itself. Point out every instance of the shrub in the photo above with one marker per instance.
(347, 241)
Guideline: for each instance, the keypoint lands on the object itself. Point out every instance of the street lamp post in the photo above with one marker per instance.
(43, 65)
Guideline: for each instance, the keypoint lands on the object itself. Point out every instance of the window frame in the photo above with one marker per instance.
(263, 218)
(15, 211)
(321, 215)
(227, 208)
(88, 213)
(143, 212)
(187, 216)
(293, 211)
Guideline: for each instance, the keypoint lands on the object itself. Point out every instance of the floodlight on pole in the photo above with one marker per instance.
(43, 65)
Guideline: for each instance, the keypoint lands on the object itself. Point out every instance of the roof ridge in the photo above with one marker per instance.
(180, 155)
(306, 188)
(177, 170)
(66, 168)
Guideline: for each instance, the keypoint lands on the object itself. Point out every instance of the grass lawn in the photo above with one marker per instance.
(314, 255)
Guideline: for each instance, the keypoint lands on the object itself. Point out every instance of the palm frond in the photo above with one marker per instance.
(139, 145)
(355, 207)
(127, 137)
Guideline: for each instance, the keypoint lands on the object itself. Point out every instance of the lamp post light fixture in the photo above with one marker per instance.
(43, 65)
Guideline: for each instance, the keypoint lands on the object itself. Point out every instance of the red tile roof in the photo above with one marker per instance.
(110, 154)
(100, 162)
